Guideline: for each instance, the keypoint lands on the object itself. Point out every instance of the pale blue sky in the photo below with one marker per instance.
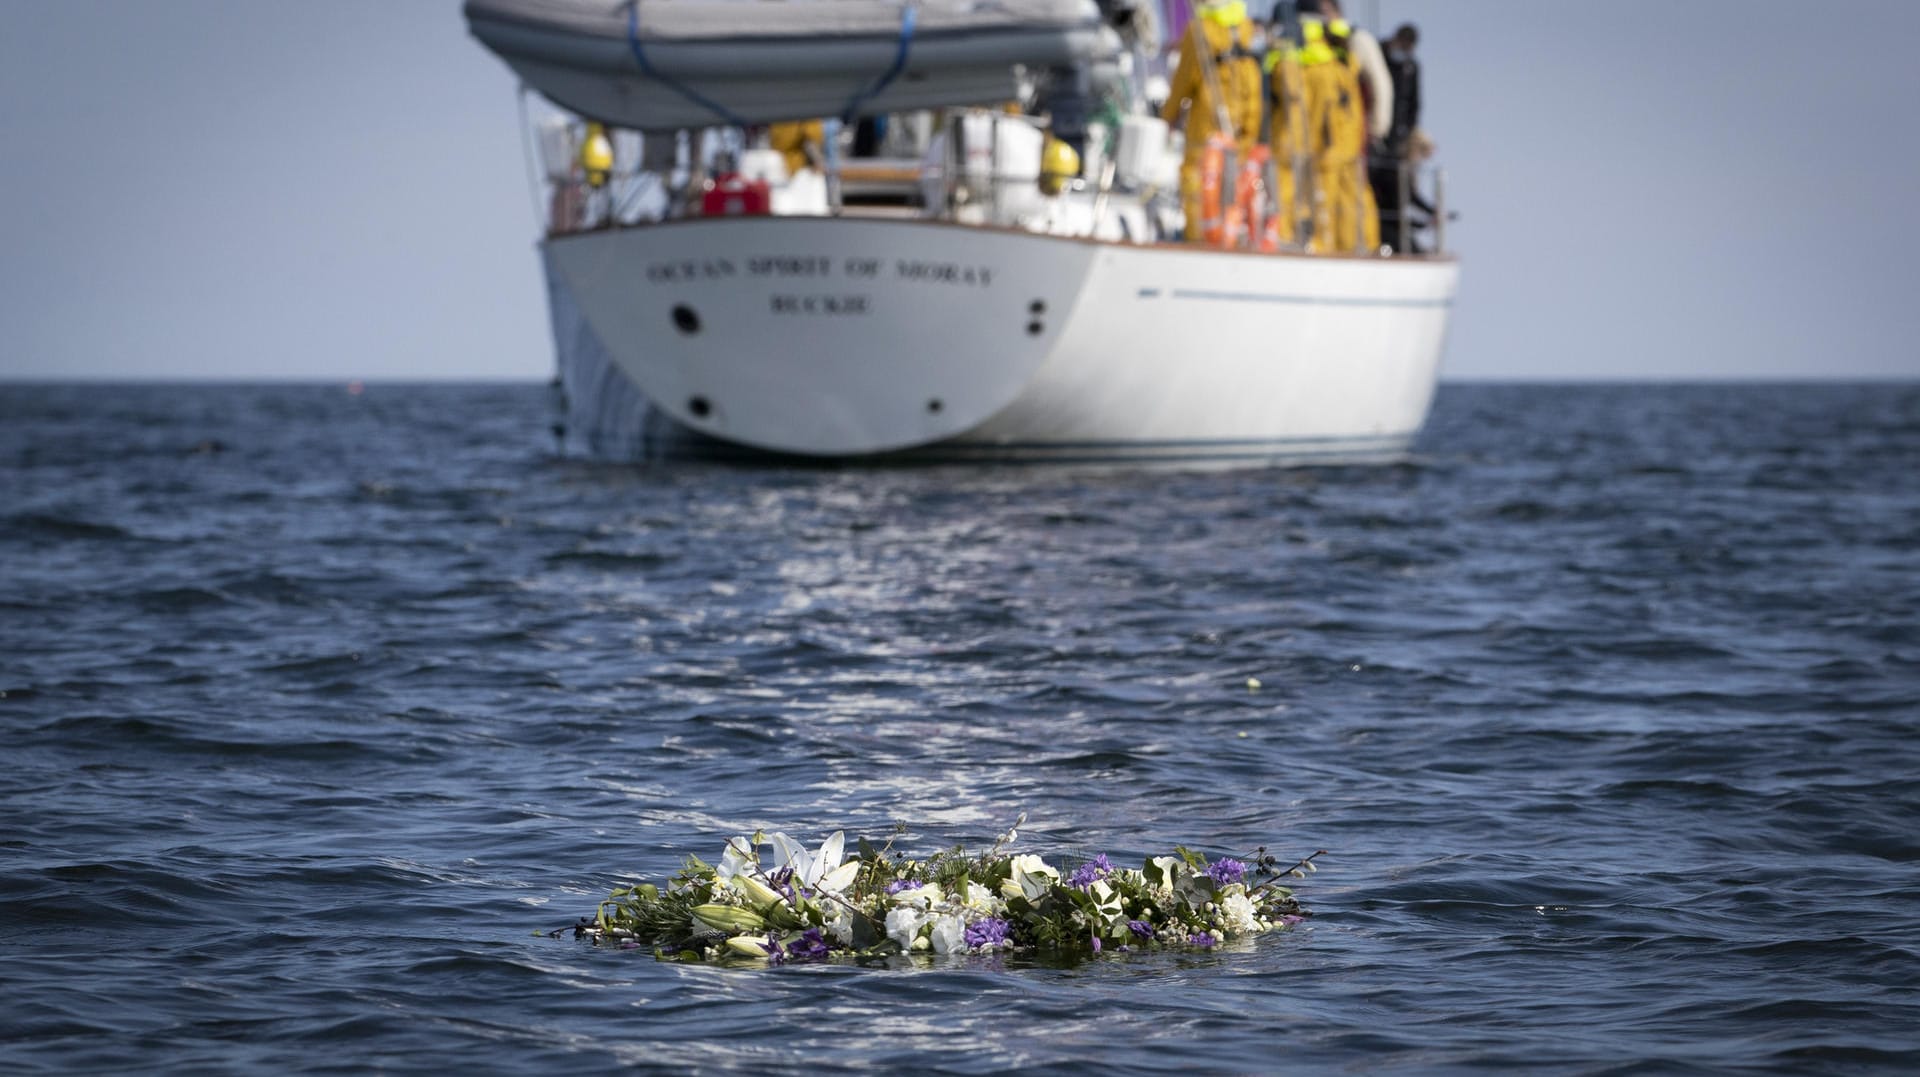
(332, 190)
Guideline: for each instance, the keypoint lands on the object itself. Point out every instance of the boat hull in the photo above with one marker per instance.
(919, 340)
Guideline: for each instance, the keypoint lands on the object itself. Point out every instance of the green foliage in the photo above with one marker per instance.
(795, 905)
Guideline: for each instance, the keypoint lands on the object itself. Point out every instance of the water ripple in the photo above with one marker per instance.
(322, 709)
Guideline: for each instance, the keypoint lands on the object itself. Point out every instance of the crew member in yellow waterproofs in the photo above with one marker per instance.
(1286, 138)
(802, 143)
(1345, 218)
(1229, 84)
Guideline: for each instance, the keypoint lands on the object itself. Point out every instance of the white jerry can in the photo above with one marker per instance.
(559, 147)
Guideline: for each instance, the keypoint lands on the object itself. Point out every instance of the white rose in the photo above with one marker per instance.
(1238, 911)
(949, 935)
(903, 926)
(839, 925)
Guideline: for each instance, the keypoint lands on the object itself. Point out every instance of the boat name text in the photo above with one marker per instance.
(819, 267)
(820, 304)
(944, 273)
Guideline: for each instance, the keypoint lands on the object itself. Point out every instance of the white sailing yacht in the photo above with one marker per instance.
(965, 314)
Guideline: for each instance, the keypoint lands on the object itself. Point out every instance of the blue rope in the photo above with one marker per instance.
(688, 92)
(908, 16)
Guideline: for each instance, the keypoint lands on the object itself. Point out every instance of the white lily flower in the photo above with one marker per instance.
(924, 896)
(746, 944)
(757, 892)
(815, 870)
(832, 852)
(738, 855)
(788, 854)
(1031, 878)
(833, 882)
(980, 899)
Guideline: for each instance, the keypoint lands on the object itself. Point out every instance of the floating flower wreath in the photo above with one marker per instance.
(793, 904)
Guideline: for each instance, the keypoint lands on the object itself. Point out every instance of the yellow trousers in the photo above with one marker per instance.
(1345, 220)
(1286, 200)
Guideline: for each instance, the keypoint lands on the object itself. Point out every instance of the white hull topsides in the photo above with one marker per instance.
(855, 337)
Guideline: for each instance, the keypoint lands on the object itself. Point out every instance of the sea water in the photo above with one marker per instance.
(321, 707)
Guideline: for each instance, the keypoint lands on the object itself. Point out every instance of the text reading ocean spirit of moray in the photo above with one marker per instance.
(819, 267)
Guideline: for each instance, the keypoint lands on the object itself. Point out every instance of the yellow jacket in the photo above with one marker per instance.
(1231, 45)
(1286, 105)
(792, 140)
(1336, 127)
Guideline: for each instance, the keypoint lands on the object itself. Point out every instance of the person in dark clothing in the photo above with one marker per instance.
(1066, 96)
(1390, 157)
(1066, 93)
(1404, 68)
(867, 133)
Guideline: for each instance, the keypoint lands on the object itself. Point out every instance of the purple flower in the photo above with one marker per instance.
(1201, 939)
(810, 946)
(1226, 870)
(1140, 928)
(898, 885)
(989, 932)
(782, 882)
(1087, 874)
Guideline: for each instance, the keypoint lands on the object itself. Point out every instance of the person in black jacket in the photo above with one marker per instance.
(1404, 68)
(1390, 155)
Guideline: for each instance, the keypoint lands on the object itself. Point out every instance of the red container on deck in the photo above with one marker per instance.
(733, 196)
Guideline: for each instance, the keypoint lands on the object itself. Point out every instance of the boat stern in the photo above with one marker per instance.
(822, 336)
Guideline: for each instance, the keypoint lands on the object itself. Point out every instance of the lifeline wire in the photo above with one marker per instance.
(688, 92)
(533, 171)
(908, 16)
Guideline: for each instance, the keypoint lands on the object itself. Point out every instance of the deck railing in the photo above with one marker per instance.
(968, 179)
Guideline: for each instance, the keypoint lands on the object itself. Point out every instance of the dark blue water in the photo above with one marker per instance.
(1605, 705)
